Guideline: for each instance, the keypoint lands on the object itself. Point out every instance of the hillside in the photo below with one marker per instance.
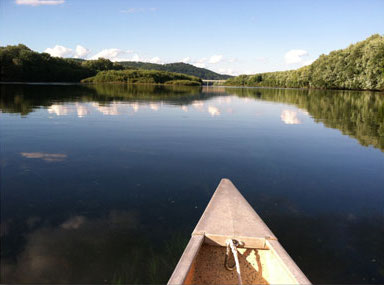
(178, 67)
(21, 64)
(360, 67)
(18, 63)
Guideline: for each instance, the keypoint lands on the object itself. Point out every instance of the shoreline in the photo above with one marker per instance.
(163, 84)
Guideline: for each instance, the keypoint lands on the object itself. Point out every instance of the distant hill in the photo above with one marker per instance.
(359, 66)
(178, 67)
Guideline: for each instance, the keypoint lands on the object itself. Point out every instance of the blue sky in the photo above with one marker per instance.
(226, 36)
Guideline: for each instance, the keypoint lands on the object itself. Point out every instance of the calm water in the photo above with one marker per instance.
(104, 184)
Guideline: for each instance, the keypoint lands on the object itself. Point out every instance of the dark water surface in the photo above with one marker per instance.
(104, 184)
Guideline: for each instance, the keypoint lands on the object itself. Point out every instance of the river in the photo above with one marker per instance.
(105, 183)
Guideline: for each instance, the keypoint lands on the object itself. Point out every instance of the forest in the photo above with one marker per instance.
(358, 67)
(143, 77)
(21, 64)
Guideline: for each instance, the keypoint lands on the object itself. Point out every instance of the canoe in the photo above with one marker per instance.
(229, 227)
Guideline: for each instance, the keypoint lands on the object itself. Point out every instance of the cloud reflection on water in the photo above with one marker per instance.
(59, 110)
(154, 107)
(54, 254)
(289, 117)
(81, 110)
(49, 157)
(213, 111)
(115, 108)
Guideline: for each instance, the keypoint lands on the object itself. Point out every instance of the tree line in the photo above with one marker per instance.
(21, 64)
(359, 67)
(144, 77)
(18, 63)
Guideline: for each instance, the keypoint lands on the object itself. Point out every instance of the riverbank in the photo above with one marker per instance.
(358, 67)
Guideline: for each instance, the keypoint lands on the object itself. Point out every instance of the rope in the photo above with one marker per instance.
(231, 245)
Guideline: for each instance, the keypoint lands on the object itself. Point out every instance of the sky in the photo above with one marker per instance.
(232, 37)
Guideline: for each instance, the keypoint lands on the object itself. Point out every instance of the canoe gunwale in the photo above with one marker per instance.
(229, 216)
(287, 262)
(185, 263)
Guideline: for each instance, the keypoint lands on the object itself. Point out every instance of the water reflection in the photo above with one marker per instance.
(110, 110)
(154, 107)
(213, 111)
(59, 110)
(199, 105)
(289, 117)
(100, 250)
(81, 110)
(357, 114)
(49, 157)
(144, 162)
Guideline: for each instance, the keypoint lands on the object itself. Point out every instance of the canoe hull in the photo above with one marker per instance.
(229, 216)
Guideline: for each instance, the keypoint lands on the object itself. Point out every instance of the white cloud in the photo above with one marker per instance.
(59, 51)
(39, 2)
(138, 10)
(289, 117)
(199, 64)
(228, 71)
(81, 52)
(215, 58)
(262, 59)
(203, 62)
(130, 10)
(116, 54)
(155, 59)
(135, 57)
(113, 54)
(295, 56)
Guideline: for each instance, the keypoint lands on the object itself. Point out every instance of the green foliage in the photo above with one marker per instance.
(143, 77)
(19, 63)
(178, 67)
(101, 64)
(183, 83)
(360, 67)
